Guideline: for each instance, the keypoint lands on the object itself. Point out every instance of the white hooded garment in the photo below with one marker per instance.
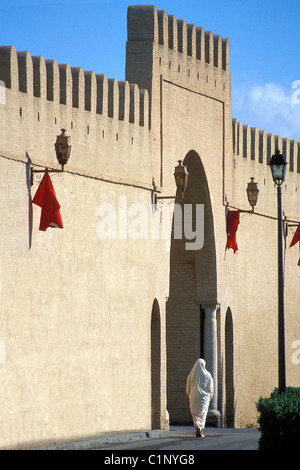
(200, 388)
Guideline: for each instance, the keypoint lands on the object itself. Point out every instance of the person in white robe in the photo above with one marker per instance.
(199, 391)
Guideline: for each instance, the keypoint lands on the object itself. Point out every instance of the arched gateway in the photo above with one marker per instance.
(192, 303)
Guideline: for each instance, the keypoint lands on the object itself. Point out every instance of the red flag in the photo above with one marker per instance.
(233, 220)
(45, 197)
(296, 238)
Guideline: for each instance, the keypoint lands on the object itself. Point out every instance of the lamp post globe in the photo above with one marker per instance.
(278, 167)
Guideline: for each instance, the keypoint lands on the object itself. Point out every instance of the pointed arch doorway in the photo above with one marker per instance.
(229, 370)
(193, 284)
(155, 366)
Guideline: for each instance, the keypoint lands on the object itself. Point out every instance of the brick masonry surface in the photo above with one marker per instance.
(99, 335)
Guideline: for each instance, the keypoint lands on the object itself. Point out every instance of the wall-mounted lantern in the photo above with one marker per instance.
(181, 179)
(252, 193)
(62, 149)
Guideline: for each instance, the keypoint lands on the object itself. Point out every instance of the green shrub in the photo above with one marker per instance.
(279, 420)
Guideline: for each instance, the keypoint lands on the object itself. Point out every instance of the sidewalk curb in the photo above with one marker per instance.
(96, 443)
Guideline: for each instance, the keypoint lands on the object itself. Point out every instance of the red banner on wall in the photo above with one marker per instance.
(45, 198)
(233, 220)
(296, 238)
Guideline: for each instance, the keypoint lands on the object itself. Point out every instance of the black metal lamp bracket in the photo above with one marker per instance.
(33, 171)
(156, 198)
(287, 226)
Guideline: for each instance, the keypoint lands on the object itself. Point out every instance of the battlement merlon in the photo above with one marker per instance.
(254, 144)
(145, 23)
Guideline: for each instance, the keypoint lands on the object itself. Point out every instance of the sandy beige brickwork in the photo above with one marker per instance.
(98, 334)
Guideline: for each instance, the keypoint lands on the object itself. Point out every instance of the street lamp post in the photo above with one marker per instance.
(278, 169)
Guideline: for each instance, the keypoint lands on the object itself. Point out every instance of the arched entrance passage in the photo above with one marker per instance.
(155, 366)
(192, 287)
(205, 258)
(229, 370)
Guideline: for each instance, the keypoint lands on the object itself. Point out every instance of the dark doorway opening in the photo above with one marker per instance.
(229, 370)
(155, 366)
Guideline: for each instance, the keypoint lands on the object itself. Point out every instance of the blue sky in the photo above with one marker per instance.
(264, 39)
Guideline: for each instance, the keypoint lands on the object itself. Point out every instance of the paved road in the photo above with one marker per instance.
(182, 438)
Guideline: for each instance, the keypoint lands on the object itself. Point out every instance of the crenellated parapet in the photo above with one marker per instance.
(107, 119)
(161, 45)
(145, 23)
(72, 87)
(258, 145)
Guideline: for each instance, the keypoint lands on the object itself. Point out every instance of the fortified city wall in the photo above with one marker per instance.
(190, 103)
(80, 313)
(75, 307)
